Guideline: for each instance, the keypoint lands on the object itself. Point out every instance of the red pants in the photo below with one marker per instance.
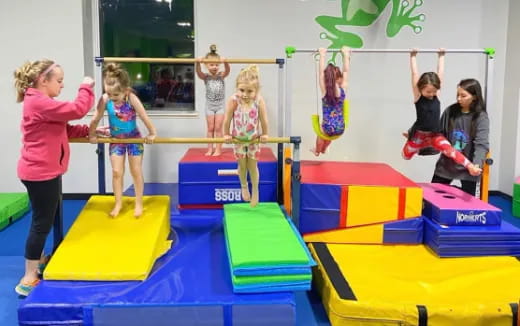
(422, 139)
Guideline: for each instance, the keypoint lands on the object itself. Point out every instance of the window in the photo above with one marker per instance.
(155, 29)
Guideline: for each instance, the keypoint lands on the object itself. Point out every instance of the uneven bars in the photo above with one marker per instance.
(486, 51)
(160, 140)
(186, 60)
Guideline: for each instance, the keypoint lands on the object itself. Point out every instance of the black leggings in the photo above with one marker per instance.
(467, 186)
(45, 197)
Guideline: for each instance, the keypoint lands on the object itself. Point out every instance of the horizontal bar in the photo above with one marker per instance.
(397, 50)
(160, 140)
(184, 60)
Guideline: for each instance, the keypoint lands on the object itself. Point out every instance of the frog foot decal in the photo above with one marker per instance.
(402, 16)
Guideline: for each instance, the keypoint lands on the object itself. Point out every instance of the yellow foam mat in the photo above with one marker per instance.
(377, 204)
(409, 285)
(361, 234)
(98, 247)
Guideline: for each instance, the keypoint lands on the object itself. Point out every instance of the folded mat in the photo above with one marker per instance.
(262, 238)
(446, 234)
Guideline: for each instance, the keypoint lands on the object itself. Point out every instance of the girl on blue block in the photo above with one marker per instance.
(123, 108)
(215, 97)
(245, 113)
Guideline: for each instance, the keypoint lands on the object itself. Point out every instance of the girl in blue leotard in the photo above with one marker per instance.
(123, 108)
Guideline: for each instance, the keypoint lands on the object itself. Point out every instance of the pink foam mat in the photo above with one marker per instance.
(447, 197)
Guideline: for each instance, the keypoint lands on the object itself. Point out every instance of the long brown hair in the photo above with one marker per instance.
(477, 106)
(330, 76)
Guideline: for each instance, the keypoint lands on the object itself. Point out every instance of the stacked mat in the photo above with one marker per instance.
(265, 252)
(205, 181)
(12, 207)
(516, 198)
(460, 225)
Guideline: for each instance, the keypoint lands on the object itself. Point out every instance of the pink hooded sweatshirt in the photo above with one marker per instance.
(46, 132)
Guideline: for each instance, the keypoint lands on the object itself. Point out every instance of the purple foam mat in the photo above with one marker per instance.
(451, 206)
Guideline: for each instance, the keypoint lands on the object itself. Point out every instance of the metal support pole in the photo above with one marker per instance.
(288, 98)
(100, 151)
(488, 99)
(280, 123)
(295, 184)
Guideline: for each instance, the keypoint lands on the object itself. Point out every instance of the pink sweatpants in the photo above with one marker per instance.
(422, 139)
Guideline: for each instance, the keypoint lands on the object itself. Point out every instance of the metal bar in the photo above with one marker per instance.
(280, 125)
(396, 50)
(288, 98)
(176, 140)
(295, 188)
(184, 60)
(100, 151)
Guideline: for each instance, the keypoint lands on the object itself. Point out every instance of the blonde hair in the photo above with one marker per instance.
(212, 54)
(249, 75)
(27, 75)
(116, 78)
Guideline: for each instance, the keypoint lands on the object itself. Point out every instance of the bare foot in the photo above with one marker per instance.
(209, 152)
(246, 196)
(315, 152)
(217, 153)
(116, 210)
(254, 198)
(138, 210)
(474, 170)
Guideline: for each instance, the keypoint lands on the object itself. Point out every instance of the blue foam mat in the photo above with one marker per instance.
(207, 171)
(465, 241)
(194, 273)
(319, 207)
(443, 233)
(221, 193)
(408, 231)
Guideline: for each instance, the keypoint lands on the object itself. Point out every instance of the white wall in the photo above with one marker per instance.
(510, 163)
(381, 105)
(31, 30)
(380, 95)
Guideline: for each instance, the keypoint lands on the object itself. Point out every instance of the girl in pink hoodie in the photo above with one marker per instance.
(45, 151)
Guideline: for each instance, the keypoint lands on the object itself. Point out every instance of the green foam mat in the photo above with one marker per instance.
(261, 236)
(516, 208)
(270, 279)
(516, 190)
(12, 207)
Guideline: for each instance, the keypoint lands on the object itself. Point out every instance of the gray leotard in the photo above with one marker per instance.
(215, 96)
